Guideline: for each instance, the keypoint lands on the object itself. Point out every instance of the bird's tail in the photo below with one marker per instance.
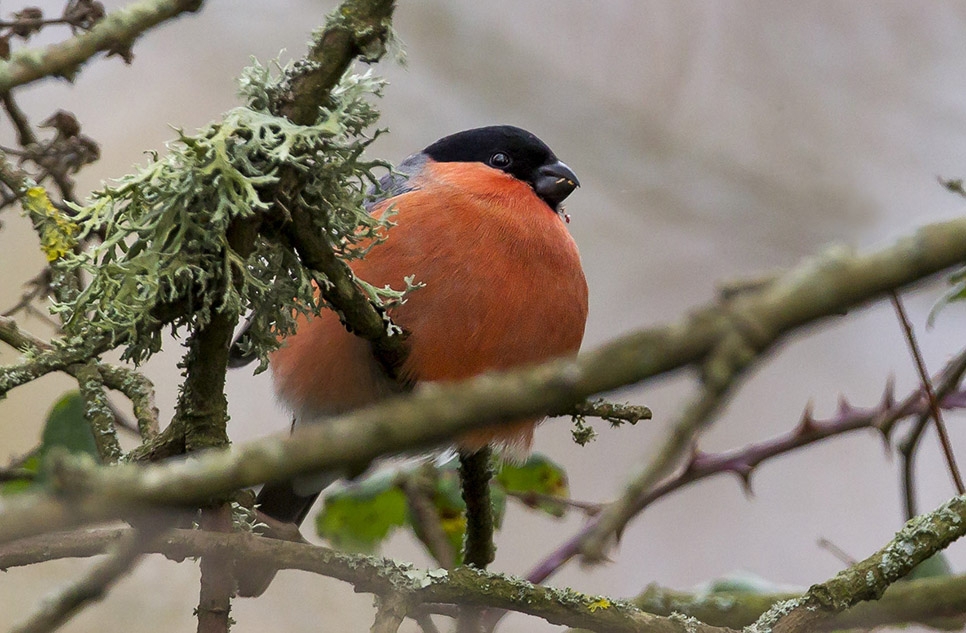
(285, 502)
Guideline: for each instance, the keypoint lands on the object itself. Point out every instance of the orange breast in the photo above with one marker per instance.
(503, 288)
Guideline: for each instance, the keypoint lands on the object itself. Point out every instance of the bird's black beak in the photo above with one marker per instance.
(554, 182)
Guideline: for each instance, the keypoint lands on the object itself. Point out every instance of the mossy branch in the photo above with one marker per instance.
(920, 538)
(414, 586)
(356, 28)
(923, 601)
(438, 413)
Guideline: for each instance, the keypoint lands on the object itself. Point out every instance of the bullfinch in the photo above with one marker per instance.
(478, 223)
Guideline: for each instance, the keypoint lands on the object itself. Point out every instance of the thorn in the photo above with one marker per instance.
(885, 432)
(618, 535)
(806, 424)
(889, 395)
(744, 475)
(887, 447)
(844, 407)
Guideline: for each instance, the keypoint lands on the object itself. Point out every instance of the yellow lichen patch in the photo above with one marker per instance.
(599, 603)
(57, 232)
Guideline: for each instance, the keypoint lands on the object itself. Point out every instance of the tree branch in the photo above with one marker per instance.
(115, 32)
(358, 28)
(927, 388)
(918, 601)
(134, 385)
(743, 461)
(436, 413)
(919, 539)
(936, 602)
(383, 577)
(128, 548)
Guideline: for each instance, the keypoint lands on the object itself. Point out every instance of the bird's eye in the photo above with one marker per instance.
(500, 160)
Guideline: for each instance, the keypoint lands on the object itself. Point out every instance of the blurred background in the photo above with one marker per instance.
(713, 141)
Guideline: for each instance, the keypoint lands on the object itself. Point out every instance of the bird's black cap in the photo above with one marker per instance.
(512, 150)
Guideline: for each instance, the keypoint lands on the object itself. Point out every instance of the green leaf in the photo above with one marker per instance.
(956, 292)
(360, 517)
(451, 509)
(448, 501)
(67, 427)
(30, 466)
(538, 477)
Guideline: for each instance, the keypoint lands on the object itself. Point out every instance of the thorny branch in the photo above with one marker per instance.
(743, 461)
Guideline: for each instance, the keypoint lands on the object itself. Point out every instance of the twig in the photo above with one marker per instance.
(217, 584)
(742, 462)
(721, 373)
(98, 412)
(115, 32)
(422, 419)
(438, 413)
(935, 602)
(357, 29)
(134, 385)
(479, 550)
(919, 539)
(26, 138)
(139, 390)
(950, 377)
(36, 287)
(60, 607)
(927, 387)
(418, 487)
(425, 622)
(390, 612)
(475, 474)
(921, 600)
(836, 551)
(613, 412)
(531, 498)
(382, 577)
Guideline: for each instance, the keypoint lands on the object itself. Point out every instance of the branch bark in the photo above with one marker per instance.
(116, 31)
(435, 413)
(918, 601)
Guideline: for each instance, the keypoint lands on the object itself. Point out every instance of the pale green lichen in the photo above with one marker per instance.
(770, 618)
(689, 623)
(165, 228)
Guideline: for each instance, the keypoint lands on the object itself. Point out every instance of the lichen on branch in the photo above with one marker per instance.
(166, 226)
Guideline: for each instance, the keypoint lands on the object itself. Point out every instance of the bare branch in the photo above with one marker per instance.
(390, 612)
(927, 387)
(61, 606)
(115, 33)
(217, 583)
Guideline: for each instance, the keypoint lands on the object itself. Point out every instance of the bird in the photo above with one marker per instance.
(479, 225)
